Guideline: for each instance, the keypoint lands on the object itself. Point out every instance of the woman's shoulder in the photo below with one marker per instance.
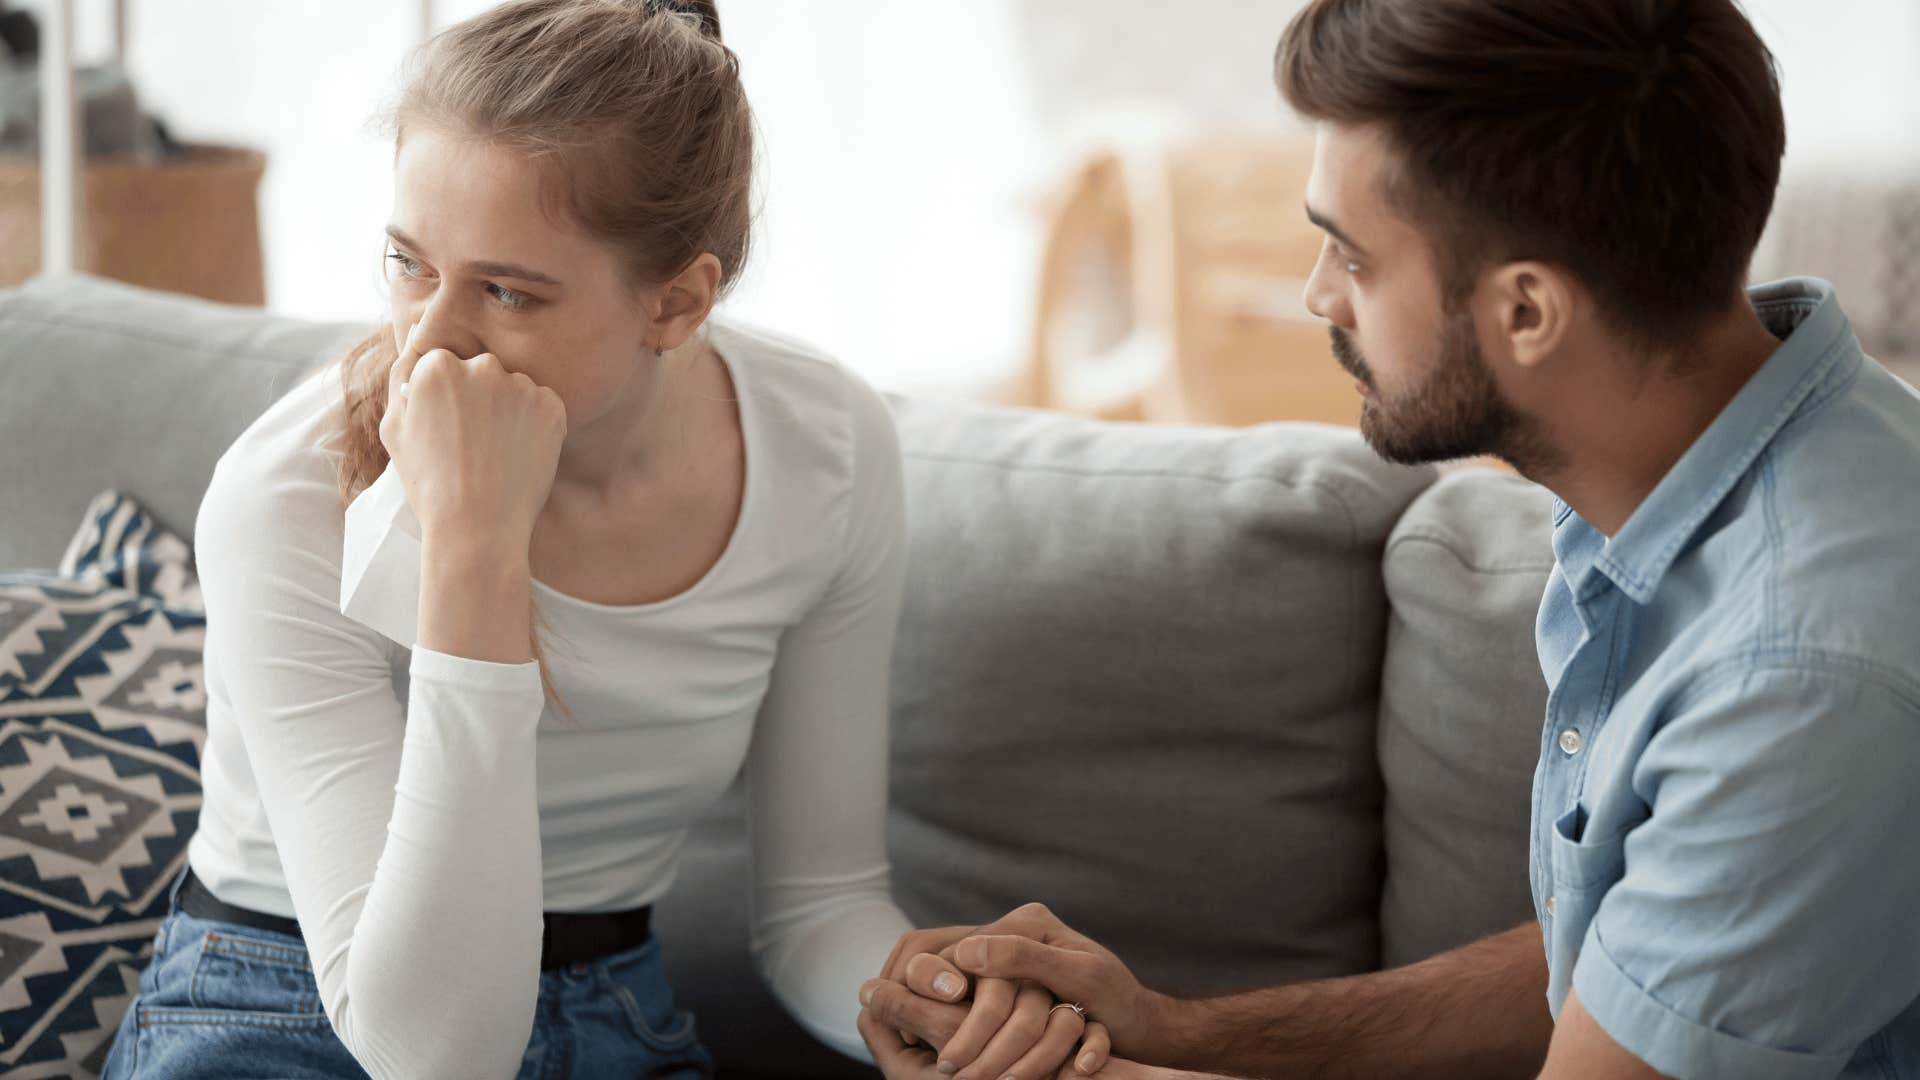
(802, 397)
(276, 485)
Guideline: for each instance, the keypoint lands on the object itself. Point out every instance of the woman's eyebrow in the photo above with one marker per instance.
(484, 267)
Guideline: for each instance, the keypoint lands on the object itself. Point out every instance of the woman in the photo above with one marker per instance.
(502, 600)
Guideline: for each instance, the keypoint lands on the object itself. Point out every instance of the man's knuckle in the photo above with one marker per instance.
(1028, 951)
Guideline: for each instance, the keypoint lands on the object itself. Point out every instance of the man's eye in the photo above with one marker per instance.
(1340, 256)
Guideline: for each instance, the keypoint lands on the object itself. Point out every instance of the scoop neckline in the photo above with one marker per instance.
(749, 446)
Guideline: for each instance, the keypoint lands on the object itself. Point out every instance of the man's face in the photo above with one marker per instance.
(1429, 393)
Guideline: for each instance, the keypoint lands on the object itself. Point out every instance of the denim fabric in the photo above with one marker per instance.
(1723, 854)
(223, 1000)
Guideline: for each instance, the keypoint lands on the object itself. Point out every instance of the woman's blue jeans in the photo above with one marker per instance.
(223, 1000)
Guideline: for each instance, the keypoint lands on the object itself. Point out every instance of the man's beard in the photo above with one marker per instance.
(1456, 412)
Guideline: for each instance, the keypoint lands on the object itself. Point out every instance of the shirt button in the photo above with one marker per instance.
(1549, 905)
(1570, 741)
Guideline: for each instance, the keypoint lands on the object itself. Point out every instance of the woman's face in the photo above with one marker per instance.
(474, 260)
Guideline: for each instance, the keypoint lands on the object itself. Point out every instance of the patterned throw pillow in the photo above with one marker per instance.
(102, 716)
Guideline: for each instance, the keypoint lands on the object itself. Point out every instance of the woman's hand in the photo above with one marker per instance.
(1036, 1042)
(1010, 1029)
(476, 446)
(1032, 945)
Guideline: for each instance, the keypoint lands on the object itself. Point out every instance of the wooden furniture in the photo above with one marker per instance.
(186, 224)
(1170, 289)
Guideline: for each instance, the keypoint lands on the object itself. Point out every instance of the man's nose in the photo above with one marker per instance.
(1318, 294)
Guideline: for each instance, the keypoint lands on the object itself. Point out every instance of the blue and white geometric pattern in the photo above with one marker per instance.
(102, 719)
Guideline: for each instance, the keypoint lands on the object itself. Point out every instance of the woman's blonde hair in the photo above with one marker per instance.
(636, 118)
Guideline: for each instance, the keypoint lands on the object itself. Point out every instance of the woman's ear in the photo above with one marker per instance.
(685, 302)
(1533, 310)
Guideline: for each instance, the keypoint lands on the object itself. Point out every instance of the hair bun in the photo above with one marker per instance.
(707, 11)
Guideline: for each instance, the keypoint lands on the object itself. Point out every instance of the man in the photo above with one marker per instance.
(1539, 217)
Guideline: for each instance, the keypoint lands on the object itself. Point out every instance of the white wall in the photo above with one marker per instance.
(297, 80)
(896, 147)
(1848, 78)
(903, 141)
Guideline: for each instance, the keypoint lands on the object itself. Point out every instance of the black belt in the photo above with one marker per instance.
(565, 937)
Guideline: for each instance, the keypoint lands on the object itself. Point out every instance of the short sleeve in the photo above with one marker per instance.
(1764, 925)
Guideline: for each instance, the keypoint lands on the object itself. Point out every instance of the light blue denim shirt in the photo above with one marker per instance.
(1724, 855)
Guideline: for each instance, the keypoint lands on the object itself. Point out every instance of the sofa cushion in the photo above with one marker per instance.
(1461, 709)
(1136, 680)
(102, 717)
(107, 385)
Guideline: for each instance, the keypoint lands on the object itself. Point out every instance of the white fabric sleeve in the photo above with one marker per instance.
(410, 841)
(824, 920)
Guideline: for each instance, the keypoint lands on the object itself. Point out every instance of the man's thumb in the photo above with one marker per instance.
(1009, 956)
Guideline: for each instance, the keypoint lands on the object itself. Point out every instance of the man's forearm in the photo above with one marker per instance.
(1477, 1011)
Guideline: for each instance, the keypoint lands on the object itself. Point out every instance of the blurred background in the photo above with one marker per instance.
(1090, 205)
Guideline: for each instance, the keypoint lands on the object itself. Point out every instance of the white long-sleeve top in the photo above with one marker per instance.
(417, 811)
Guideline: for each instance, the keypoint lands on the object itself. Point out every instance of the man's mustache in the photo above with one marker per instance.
(1348, 356)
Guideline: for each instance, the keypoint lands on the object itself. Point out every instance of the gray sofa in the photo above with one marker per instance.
(1249, 706)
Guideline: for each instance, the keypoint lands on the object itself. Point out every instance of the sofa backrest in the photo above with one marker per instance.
(1136, 681)
(106, 385)
(1462, 704)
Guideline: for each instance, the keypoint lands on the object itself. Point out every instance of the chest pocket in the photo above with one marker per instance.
(1584, 868)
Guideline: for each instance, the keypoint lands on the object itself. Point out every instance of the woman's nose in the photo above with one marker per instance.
(438, 326)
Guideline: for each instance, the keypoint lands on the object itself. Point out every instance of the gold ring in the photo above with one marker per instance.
(1068, 1005)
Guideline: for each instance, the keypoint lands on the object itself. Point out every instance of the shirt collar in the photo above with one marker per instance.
(1819, 343)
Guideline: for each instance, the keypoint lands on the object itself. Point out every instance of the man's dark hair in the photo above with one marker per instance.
(1634, 143)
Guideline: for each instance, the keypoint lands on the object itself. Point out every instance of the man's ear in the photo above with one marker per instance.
(1532, 306)
(684, 302)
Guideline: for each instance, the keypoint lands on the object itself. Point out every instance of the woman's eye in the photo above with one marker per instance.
(508, 297)
(406, 266)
